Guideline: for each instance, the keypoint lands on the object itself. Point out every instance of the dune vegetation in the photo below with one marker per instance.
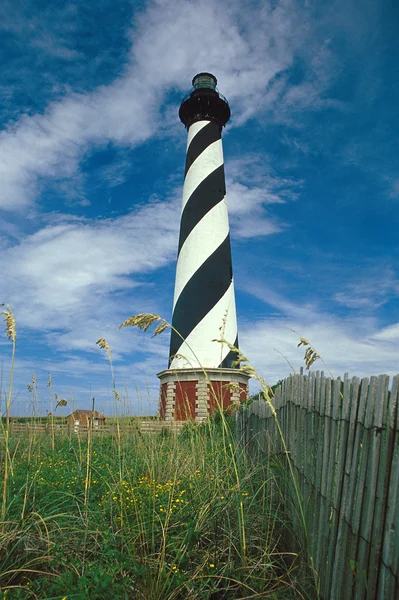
(141, 515)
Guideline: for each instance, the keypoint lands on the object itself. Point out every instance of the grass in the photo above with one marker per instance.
(157, 517)
(167, 517)
(7, 463)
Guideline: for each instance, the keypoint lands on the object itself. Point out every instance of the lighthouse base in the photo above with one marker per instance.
(192, 394)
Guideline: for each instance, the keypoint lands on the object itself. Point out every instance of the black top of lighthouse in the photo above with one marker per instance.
(204, 102)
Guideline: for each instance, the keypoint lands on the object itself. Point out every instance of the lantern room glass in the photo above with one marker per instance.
(204, 80)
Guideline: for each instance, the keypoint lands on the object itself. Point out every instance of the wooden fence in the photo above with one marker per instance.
(39, 428)
(342, 438)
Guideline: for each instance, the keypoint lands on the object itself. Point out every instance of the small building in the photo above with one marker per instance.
(82, 418)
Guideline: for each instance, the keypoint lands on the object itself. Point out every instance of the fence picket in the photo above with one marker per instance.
(365, 495)
(322, 548)
(343, 442)
(342, 409)
(379, 475)
(319, 467)
(330, 479)
(341, 553)
(315, 473)
(388, 585)
(349, 574)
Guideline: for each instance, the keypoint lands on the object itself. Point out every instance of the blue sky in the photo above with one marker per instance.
(92, 163)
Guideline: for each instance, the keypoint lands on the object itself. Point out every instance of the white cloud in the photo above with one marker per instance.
(355, 344)
(115, 173)
(198, 37)
(345, 345)
(389, 334)
(251, 187)
(248, 216)
(73, 268)
(374, 289)
(266, 293)
(52, 144)
(243, 198)
(66, 278)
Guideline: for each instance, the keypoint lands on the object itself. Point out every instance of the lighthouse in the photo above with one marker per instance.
(202, 375)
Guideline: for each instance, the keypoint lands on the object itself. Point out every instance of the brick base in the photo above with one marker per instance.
(192, 394)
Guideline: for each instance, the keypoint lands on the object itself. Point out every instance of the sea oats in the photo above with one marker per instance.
(177, 355)
(117, 395)
(143, 321)
(160, 328)
(222, 328)
(9, 320)
(311, 354)
(11, 334)
(249, 369)
(283, 355)
(240, 356)
(102, 342)
(233, 386)
(60, 401)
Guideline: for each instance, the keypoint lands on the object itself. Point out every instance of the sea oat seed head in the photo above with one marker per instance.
(233, 386)
(160, 328)
(143, 321)
(102, 342)
(310, 357)
(9, 319)
(249, 370)
(117, 396)
(240, 356)
(61, 402)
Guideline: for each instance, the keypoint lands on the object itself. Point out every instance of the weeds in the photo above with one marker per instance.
(167, 517)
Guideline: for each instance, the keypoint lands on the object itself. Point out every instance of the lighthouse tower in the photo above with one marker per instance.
(201, 374)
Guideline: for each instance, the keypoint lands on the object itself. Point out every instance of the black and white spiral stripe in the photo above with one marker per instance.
(204, 293)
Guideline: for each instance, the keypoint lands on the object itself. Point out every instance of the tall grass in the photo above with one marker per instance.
(170, 528)
(11, 335)
(158, 517)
